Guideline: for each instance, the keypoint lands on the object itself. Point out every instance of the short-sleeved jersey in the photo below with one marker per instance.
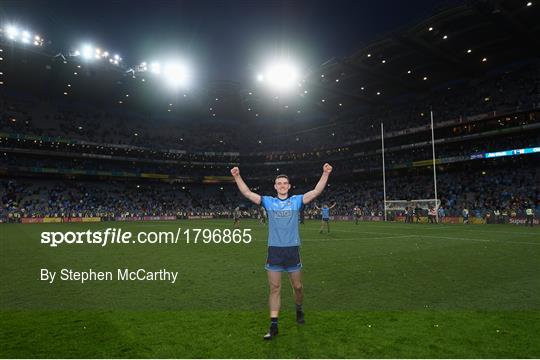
(325, 212)
(283, 220)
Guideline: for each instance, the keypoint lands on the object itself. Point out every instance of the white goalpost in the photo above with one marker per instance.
(434, 167)
(401, 205)
(383, 169)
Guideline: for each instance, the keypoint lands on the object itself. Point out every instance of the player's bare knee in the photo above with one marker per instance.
(275, 288)
(297, 286)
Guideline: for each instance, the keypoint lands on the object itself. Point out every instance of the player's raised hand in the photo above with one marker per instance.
(327, 168)
(235, 171)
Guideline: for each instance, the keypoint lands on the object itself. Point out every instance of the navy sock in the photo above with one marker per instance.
(299, 307)
(273, 321)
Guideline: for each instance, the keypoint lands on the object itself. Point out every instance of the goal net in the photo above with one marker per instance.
(425, 204)
(397, 207)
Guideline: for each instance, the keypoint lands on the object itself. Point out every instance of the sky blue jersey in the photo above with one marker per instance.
(283, 220)
(325, 211)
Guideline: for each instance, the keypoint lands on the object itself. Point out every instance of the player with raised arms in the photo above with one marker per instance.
(283, 239)
(325, 216)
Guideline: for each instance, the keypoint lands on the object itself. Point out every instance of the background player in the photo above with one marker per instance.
(465, 214)
(529, 212)
(325, 217)
(261, 214)
(432, 215)
(236, 216)
(417, 210)
(357, 214)
(283, 239)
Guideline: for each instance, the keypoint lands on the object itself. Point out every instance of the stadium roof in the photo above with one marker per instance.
(456, 43)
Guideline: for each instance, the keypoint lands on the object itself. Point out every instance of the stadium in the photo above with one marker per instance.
(125, 229)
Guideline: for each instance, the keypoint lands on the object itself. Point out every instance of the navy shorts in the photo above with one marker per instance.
(283, 259)
(326, 219)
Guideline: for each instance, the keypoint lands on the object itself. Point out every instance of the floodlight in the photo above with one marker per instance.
(281, 75)
(87, 52)
(155, 68)
(176, 74)
(12, 32)
(25, 38)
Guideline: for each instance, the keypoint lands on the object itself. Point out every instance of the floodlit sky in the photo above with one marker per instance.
(224, 40)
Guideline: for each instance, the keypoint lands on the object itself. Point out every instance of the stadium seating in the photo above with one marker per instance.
(69, 150)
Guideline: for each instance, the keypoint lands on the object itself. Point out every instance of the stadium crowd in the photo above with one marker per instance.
(481, 192)
(344, 159)
(41, 134)
(507, 92)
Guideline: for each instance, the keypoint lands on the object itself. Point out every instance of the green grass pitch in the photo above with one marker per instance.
(371, 290)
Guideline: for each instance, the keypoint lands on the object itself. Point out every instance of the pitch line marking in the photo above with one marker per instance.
(448, 237)
(455, 227)
(481, 240)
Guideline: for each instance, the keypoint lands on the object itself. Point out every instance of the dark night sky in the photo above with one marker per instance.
(225, 40)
